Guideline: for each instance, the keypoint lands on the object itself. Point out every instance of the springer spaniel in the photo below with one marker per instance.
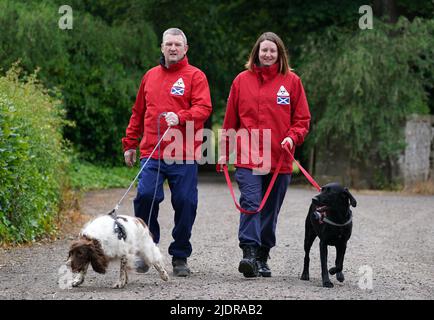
(108, 238)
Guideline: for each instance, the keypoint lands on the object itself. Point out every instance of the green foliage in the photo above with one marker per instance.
(32, 158)
(412, 9)
(29, 33)
(97, 67)
(362, 85)
(105, 75)
(86, 176)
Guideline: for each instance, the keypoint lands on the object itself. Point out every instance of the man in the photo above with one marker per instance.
(178, 93)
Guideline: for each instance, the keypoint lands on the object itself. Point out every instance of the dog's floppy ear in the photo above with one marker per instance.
(98, 260)
(76, 245)
(353, 201)
(79, 255)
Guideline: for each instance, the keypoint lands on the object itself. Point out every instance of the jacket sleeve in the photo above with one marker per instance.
(300, 117)
(201, 107)
(134, 130)
(231, 121)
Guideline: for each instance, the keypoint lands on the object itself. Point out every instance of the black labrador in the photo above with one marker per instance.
(330, 219)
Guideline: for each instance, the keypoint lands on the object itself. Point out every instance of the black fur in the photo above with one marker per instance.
(334, 201)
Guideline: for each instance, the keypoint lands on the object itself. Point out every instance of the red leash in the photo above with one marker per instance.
(270, 186)
(306, 174)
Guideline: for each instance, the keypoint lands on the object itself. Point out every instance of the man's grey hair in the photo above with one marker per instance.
(175, 32)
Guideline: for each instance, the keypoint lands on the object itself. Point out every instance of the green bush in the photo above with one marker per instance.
(97, 67)
(86, 176)
(32, 158)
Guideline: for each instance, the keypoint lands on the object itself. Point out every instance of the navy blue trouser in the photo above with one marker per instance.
(259, 229)
(182, 180)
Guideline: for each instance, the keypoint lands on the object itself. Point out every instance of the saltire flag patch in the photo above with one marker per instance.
(283, 96)
(281, 100)
(178, 88)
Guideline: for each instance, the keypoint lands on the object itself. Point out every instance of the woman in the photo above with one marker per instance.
(267, 101)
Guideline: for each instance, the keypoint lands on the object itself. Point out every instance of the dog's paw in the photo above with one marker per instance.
(304, 276)
(164, 275)
(340, 277)
(333, 270)
(327, 284)
(76, 282)
(119, 285)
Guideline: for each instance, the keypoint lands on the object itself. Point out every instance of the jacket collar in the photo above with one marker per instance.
(174, 67)
(266, 73)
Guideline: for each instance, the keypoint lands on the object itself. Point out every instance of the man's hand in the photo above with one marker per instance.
(172, 119)
(130, 157)
(287, 140)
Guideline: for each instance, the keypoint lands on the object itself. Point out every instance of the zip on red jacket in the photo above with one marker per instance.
(265, 99)
(182, 89)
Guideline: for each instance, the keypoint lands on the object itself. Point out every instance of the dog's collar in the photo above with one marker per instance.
(321, 215)
(326, 220)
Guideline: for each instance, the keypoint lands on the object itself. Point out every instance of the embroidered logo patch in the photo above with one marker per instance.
(178, 88)
(283, 96)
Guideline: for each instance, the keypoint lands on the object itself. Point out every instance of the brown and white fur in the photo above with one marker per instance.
(99, 244)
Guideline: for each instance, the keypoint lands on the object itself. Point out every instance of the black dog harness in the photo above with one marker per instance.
(118, 227)
(120, 230)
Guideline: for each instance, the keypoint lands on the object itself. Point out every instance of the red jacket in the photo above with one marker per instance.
(182, 89)
(266, 99)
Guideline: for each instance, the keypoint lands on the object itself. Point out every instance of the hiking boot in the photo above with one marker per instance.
(248, 265)
(261, 259)
(141, 266)
(180, 267)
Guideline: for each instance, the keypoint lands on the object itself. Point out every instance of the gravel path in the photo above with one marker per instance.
(392, 241)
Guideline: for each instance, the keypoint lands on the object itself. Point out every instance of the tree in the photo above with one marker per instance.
(369, 85)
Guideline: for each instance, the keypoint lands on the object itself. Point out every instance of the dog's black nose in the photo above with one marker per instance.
(315, 201)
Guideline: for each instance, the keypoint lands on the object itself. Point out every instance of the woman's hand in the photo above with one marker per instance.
(287, 140)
